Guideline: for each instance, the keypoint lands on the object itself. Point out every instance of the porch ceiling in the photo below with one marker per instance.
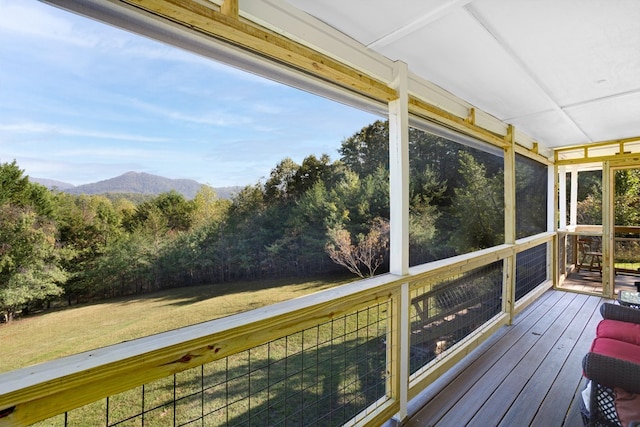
(564, 72)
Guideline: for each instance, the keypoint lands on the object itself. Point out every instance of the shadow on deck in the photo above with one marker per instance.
(529, 373)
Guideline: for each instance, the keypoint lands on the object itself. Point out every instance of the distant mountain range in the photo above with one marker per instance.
(136, 183)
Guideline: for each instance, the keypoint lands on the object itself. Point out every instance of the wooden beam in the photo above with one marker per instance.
(631, 159)
(432, 113)
(263, 42)
(598, 144)
(532, 154)
(230, 8)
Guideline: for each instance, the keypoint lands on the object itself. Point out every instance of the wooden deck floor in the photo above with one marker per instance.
(527, 374)
(591, 281)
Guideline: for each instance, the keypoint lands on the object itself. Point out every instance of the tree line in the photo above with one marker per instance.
(317, 217)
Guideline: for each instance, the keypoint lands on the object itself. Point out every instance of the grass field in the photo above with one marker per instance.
(329, 373)
(54, 334)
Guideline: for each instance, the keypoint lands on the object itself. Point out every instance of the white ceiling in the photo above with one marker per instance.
(565, 72)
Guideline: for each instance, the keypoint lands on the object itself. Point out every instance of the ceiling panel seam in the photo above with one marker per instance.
(477, 16)
(417, 24)
(602, 98)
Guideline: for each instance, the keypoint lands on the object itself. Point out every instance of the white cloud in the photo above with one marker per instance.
(53, 129)
(83, 101)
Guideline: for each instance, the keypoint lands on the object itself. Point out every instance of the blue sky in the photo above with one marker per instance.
(81, 101)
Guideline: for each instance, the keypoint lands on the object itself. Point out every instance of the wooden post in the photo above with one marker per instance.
(552, 225)
(561, 185)
(608, 220)
(573, 210)
(399, 224)
(508, 295)
(399, 173)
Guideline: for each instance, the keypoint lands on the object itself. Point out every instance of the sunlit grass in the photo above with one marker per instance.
(332, 371)
(86, 327)
(633, 266)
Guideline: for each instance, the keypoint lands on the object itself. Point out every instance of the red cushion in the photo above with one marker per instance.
(615, 348)
(623, 331)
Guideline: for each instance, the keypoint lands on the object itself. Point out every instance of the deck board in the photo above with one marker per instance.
(567, 383)
(459, 385)
(541, 383)
(529, 374)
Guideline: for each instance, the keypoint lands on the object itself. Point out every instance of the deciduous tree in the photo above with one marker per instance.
(366, 255)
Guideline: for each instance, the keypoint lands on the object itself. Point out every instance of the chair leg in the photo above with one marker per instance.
(581, 263)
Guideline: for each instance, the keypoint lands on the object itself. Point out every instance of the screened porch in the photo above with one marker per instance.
(488, 336)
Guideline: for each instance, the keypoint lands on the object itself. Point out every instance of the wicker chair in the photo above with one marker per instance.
(607, 373)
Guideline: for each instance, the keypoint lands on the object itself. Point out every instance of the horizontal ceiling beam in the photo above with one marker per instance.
(263, 42)
(224, 27)
(430, 112)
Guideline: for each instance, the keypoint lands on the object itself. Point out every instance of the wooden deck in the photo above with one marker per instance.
(527, 374)
(591, 281)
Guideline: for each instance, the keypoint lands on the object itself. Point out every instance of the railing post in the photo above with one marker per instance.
(398, 353)
(508, 295)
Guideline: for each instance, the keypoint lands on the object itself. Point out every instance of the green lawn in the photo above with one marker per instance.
(337, 368)
(633, 266)
(85, 327)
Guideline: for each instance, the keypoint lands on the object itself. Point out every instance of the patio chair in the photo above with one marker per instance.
(590, 250)
(612, 367)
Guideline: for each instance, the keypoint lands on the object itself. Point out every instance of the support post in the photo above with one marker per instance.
(552, 225)
(399, 238)
(508, 293)
(399, 173)
(573, 207)
(608, 220)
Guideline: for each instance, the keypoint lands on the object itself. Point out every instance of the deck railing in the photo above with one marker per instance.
(353, 355)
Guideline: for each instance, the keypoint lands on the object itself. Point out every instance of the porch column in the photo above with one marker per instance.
(562, 197)
(509, 275)
(573, 207)
(399, 234)
(399, 173)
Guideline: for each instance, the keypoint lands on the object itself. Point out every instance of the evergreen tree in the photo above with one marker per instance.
(30, 264)
(478, 207)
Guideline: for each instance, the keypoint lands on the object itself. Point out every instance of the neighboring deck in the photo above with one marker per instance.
(527, 374)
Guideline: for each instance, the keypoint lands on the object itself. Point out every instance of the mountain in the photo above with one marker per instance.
(52, 183)
(137, 183)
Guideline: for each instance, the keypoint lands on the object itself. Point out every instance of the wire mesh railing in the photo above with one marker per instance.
(320, 376)
(446, 312)
(531, 269)
(327, 359)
